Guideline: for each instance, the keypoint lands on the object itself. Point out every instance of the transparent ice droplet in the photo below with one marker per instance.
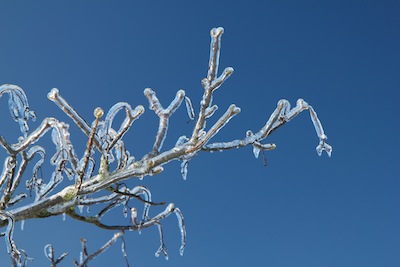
(125, 211)
(184, 169)
(123, 250)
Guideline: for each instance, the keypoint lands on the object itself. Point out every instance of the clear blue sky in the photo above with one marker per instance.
(342, 57)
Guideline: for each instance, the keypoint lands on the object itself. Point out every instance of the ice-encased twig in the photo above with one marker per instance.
(8, 174)
(49, 253)
(131, 115)
(85, 257)
(164, 114)
(321, 135)
(162, 249)
(32, 183)
(210, 83)
(11, 246)
(280, 116)
(18, 105)
(68, 109)
(215, 48)
(98, 113)
(230, 113)
(182, 228)
(8, 169)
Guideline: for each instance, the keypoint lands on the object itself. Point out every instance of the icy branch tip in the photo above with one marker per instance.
(234, 109)
(148, 91)
(53, 94)
(181, 94)
(301, 103)
(228, 70)
(215, 32)
(324, 147)
(171, 207)
(98, 112)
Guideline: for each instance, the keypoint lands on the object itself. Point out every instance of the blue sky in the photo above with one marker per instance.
(342, 57)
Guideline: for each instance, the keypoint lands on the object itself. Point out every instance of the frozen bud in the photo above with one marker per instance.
(156, 170)
(228, 70)
(98, 113)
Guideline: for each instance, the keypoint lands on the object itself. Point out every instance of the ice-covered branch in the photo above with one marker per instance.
(85, 257)
(280, 116)
(210, 83)
(98, 113)
(108, 190)
(49, 253)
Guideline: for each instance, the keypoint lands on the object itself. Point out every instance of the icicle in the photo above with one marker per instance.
(125, 211)
(80, 208)
(182, 228)
(123, 250)
(184, 169)
(256, 151)
(189, 108)
(22, 225)
(64, 215)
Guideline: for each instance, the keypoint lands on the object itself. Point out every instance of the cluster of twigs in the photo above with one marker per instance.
(105, 187)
